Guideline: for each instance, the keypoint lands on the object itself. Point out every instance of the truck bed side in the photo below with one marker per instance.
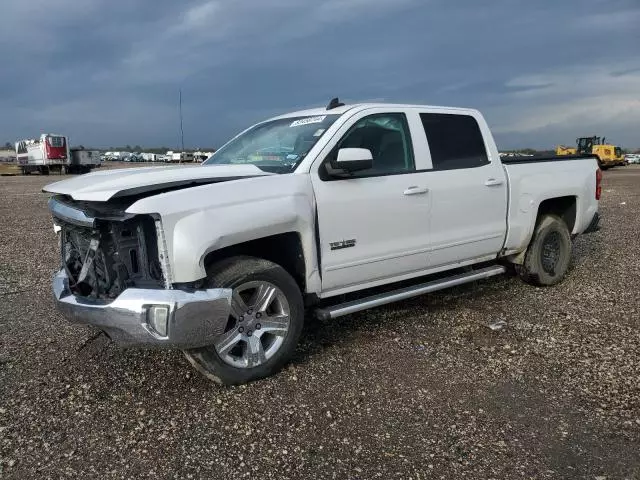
(532, 181)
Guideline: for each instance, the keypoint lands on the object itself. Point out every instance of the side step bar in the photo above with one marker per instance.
(408, 292)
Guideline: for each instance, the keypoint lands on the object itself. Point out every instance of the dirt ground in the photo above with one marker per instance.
(421, 389)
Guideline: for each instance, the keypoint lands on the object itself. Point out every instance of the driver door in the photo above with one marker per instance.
(373, 225)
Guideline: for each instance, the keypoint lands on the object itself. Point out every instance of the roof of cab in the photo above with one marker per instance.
(363, 106)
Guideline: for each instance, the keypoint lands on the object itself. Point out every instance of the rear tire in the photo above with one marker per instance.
(260, 336)
(548, 254)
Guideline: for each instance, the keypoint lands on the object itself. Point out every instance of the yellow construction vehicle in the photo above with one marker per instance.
(562, 150)
(608, 155)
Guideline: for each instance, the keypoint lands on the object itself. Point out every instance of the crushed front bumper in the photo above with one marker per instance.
(194, 319)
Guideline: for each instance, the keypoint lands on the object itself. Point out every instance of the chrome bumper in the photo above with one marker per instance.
(194, 319)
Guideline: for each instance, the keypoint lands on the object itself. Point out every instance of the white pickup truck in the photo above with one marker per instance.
(326, 211)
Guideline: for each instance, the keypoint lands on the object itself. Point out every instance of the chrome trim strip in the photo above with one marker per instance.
(70, 214)
(405, 293)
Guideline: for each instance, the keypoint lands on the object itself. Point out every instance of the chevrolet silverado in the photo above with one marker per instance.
(321, 212)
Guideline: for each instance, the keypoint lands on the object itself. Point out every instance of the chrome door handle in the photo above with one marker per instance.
(416, 190)
(493, 182)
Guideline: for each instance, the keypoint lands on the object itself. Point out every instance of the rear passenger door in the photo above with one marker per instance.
(468, 190)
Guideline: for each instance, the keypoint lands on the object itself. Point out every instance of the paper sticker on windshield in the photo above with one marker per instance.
(318, 132)
(308, 120)
(292, 156)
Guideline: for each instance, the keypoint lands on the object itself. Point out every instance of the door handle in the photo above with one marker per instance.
(493, 182)
(415, 190)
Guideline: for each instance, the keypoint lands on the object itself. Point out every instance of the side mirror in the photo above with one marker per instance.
(353, 159)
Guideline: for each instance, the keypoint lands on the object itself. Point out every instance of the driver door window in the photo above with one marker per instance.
(387, 136)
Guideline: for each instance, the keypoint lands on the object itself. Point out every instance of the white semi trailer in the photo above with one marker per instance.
(48, 153)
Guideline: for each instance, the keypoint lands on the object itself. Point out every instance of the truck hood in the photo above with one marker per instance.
(105, 185)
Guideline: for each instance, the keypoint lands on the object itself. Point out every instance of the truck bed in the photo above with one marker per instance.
(569, 177)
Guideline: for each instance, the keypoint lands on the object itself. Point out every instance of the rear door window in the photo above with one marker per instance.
(455, 141)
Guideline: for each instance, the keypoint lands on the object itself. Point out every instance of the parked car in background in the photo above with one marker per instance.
(180, 157)
(200, 156)
(7, 156)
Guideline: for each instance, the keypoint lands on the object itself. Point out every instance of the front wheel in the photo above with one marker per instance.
(549, 253)
(264, 325)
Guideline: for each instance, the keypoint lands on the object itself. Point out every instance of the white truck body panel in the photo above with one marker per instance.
(102, 186)
(241, 211)
(405, 225)
(530, 185)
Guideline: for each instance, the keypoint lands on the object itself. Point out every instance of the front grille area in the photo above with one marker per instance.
(103, 261)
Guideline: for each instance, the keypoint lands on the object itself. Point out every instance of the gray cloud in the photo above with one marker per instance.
(109, 72)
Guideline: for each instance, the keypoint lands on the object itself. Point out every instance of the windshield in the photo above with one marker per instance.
(277, 146)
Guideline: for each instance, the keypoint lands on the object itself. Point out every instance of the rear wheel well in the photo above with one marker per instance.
(564, 207)
(284, 249)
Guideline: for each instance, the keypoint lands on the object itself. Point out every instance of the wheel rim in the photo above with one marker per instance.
(551, 250)
(258, 325)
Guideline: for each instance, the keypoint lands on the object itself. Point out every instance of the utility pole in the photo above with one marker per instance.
(181, 128)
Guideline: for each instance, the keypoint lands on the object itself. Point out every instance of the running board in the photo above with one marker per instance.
(409, 292)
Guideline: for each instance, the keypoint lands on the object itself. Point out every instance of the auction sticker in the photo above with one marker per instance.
(307, 121)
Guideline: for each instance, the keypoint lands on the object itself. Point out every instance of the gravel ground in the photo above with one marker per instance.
(421, 389)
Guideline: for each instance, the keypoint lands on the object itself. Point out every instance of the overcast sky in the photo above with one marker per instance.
(108, 72)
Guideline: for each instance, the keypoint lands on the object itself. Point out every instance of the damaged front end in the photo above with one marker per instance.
(105, 254)
(115, 275)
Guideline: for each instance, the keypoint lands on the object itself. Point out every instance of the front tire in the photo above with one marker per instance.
(264, 325)
(549, 253)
